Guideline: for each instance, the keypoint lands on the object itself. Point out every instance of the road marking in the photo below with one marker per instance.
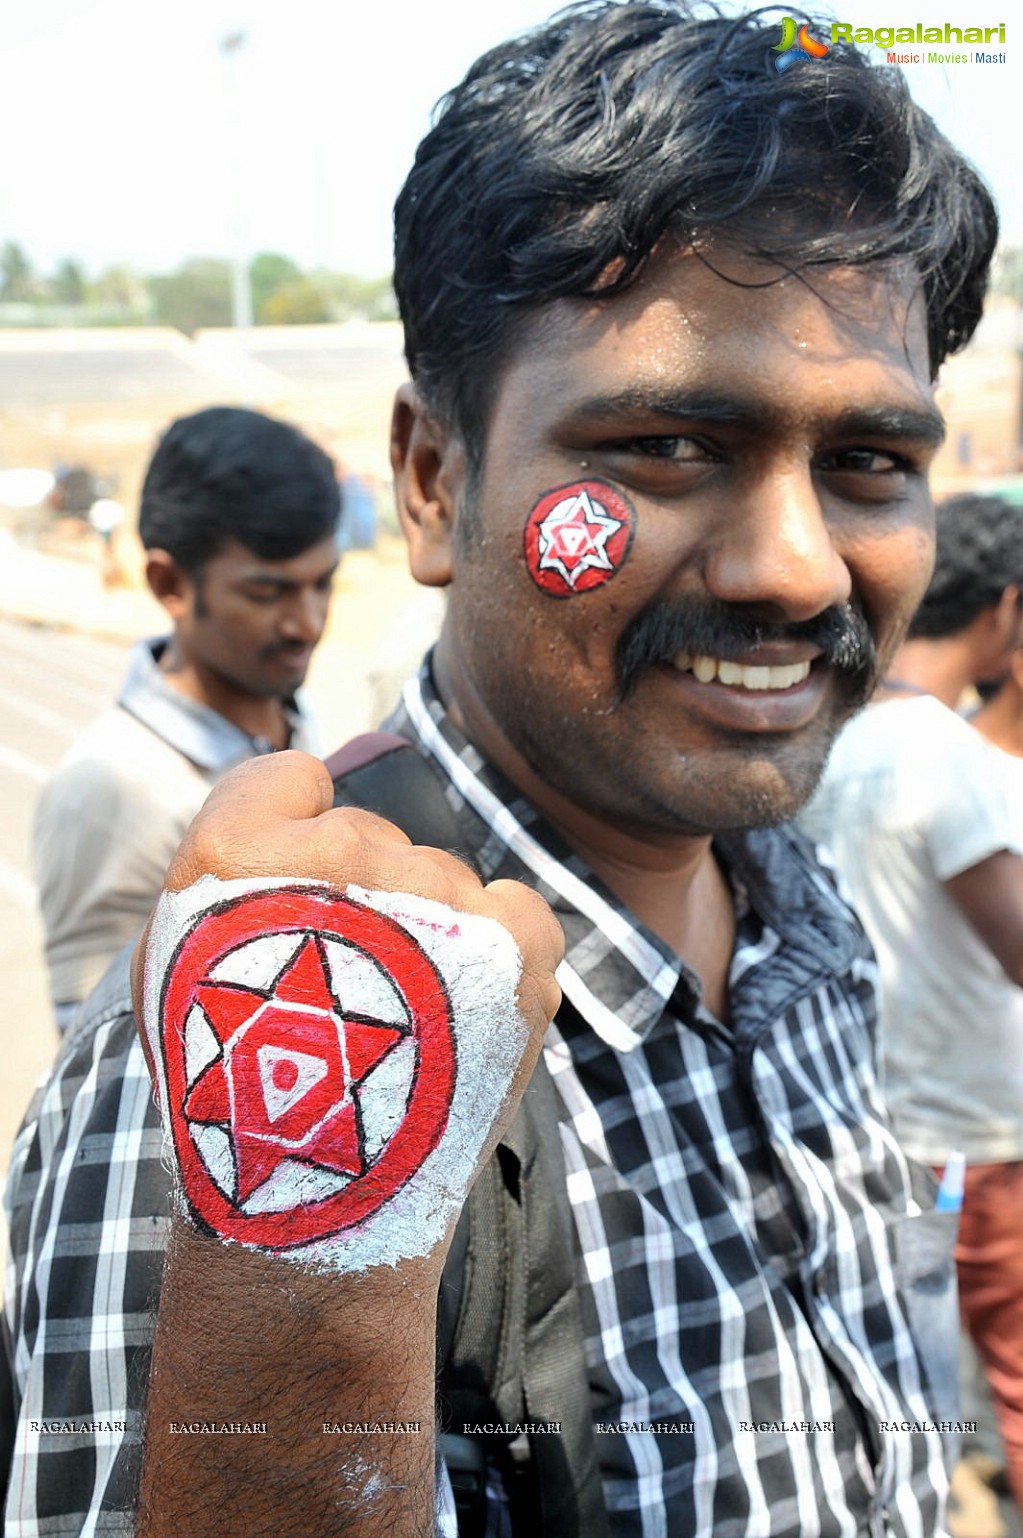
(15, 885)
(97, 663)
(42, 714)
(87, 699)
(20, 763)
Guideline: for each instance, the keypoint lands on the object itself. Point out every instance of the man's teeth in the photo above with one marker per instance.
(707, 669)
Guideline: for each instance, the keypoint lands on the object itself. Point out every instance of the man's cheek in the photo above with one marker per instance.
(577, 537)
(893, 581)
(911, 567)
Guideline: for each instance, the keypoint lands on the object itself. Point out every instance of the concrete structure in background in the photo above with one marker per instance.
(981, 396)
(101, 397)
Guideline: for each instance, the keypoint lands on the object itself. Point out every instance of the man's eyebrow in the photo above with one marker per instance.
(285, 584)
(925, 424)
(267, 579)
(921, 423)
(653, 400)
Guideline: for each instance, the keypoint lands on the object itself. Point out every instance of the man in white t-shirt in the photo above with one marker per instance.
(915, 806)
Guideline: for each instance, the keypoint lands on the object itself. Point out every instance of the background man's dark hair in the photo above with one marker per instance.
(979, 554)
(230, 473)
(564, 157)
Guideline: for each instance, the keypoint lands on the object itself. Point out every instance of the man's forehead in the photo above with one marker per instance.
(694, 316)
(730, 288)
(247, 565)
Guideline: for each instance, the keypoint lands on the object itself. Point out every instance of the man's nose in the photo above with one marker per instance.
(305, 616)
(774, 548)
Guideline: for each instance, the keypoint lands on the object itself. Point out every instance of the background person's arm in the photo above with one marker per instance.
(990, 894)
(338, 1332)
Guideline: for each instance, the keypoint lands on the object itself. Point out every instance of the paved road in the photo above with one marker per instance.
(51, 684)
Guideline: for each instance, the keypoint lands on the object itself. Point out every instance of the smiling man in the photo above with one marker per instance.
(238, 521)
(673, 321)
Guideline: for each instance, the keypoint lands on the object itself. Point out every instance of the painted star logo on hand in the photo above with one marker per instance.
(573, 537)
(286, 1080)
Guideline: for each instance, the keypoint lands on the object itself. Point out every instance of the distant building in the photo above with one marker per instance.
(981, 394)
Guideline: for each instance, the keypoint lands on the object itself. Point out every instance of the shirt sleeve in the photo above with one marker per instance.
(101, 846)
(971, 819)
(88, 1205)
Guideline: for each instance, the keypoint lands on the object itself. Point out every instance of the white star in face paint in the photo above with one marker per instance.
(573, 535)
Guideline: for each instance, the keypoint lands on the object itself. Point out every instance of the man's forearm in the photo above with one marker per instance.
(246, 1340)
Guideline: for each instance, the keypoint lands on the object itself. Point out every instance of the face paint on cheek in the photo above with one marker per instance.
(577, 537)
(326, 1063)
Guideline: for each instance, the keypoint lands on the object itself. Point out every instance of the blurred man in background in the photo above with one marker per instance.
(238, 520)
(915, 806)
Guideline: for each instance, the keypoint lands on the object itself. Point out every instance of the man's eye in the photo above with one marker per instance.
(677, 449)
(868, 462)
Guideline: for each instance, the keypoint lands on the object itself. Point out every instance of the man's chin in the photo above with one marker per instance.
(760, 789)
(762, 801)
(276, 688)
(283, 681)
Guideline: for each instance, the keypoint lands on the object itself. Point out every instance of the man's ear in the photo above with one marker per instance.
(428, 462)
(169, 584)
(1016, 668)
(1006, 616)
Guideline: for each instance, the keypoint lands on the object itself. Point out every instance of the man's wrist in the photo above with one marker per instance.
(315, 1390)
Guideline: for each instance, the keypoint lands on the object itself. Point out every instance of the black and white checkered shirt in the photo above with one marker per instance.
(751, 1250)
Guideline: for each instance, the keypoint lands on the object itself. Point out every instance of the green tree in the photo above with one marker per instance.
(268, 272)
(298, 303)
(349, 296)
(198, 294)
(16, 276)
(121, 289)
(68, 284)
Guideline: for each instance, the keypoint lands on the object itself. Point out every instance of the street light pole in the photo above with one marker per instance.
(231, 45)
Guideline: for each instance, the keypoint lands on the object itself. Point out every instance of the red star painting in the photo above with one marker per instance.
(290, 1065)
(267, 1075)
(577, 537)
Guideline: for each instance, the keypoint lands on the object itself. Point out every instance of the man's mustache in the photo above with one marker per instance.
(665, 627)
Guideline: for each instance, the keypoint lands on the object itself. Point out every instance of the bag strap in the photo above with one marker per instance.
(509, 1326)
(383, 773)
(554, 1364)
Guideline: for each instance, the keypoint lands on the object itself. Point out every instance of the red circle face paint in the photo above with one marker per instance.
(577, 537)
(310, 1064)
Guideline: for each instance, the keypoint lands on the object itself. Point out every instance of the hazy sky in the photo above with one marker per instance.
(117, 143)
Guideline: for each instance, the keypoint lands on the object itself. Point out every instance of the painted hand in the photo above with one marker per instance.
(339, 1025)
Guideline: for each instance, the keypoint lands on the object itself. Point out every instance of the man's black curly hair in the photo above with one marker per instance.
(978, 554)
(567, 155)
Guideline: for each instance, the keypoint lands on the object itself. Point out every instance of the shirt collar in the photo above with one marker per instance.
(200, 734)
